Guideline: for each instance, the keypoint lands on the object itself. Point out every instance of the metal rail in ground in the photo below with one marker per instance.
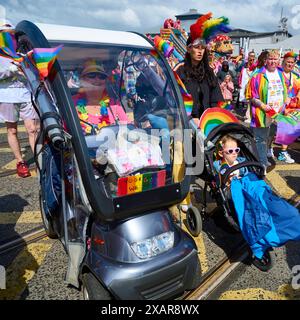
(5, 144)
(23, 240)
(216, 276)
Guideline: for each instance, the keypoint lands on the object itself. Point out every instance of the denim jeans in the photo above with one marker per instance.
(261, 136)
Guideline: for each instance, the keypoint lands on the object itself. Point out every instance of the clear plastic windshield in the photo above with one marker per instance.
(128, 111)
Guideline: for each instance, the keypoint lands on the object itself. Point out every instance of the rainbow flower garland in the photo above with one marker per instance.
(90, 121)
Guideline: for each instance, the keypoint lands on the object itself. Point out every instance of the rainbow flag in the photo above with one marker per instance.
(213, 117)
(288, 127)
(8, 46)
(187, 98)
(44, 59)
(141, 182)
(225, 105)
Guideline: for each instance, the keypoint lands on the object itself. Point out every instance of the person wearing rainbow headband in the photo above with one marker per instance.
(196, 73)
(267, 91)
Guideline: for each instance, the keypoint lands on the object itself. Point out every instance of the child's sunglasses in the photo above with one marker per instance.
(231, 150)
(93, 75)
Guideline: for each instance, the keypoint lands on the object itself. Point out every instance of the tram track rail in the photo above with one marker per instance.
(218, 274)
(22, 240)
(4, 144)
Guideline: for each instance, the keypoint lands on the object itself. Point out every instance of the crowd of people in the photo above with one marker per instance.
(265, 82)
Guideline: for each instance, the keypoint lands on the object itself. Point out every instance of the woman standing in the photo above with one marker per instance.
(199, 78)
(196, 73)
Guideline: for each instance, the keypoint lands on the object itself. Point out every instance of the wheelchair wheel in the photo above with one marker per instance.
(193, 221)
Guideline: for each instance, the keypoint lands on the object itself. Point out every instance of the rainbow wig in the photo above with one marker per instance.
(207, 28)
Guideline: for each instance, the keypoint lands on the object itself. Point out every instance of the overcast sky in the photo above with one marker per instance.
(148, 15)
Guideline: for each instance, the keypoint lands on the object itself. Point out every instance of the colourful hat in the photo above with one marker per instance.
(206, 28)
(290, 54)
(92, 65)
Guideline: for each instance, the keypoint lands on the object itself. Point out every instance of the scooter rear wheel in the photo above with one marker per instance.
(92, 289)
(193, 221)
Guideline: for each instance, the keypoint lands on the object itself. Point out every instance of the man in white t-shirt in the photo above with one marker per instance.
(275, 90)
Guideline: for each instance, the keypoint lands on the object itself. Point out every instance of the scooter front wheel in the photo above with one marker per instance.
(193, 221)
(92, 289)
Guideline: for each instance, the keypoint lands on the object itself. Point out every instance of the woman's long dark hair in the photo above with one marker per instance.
(201, 71)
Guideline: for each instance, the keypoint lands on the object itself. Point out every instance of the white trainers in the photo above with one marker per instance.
(284, 156)
(270, 153)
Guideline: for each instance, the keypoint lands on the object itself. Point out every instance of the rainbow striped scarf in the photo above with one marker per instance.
(187, 98)
(258, 88)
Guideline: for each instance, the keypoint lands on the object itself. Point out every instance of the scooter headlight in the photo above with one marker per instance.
(153, 246)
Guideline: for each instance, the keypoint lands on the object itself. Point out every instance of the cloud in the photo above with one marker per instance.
(148, 15)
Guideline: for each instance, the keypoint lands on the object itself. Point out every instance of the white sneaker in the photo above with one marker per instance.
(270, 153)
(284, 156)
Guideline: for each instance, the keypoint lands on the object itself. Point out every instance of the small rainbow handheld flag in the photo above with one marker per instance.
(187, 98)
(288, 127)
(8, 46)
(44, 59)
(225, 105)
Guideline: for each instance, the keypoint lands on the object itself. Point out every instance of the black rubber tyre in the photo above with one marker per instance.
(193, 221)
(47, 223)
(92, 288)
(197, 277)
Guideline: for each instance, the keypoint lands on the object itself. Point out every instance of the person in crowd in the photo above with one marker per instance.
(224, 71)
(243, 80)
(199, 78)
(261, 61)
(200, 81)
(15, 104)
(267, 91)
(227, 88)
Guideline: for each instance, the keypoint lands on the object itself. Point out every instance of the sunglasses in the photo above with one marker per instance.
(93, 75)
(231, 150)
